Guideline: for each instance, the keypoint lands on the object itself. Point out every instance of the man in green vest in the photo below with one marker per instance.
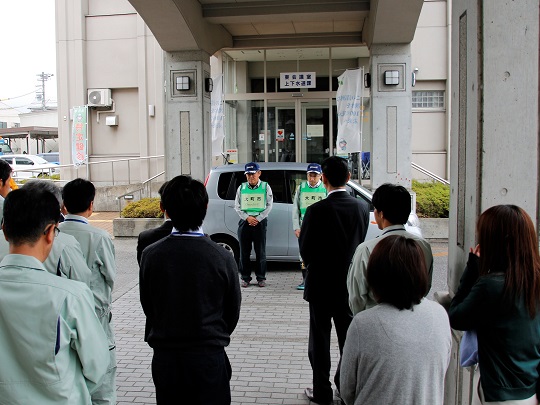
(253, 203)
(307, 193)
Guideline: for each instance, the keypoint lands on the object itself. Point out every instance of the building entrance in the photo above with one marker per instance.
(298, 131)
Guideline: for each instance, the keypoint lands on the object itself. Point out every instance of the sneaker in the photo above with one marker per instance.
(261, 283)
(245, 283)
(300, 286)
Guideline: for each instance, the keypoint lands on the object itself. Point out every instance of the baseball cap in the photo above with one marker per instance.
(314, 168)
(251, 168)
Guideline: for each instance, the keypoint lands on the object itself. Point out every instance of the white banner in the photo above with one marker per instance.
(350, 111)
(217, 116)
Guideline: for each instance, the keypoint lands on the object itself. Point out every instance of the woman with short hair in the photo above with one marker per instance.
(398, 351)
(498, 297)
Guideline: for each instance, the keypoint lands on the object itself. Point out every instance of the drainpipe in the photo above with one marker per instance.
(448, 83)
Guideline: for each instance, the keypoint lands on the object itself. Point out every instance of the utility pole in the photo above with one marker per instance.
(40, 92)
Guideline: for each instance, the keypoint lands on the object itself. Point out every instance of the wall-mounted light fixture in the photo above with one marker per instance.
(391, 77)
(208, 85)
(367, 80)
(182, 83)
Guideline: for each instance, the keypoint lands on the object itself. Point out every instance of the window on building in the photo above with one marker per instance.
(428, 99)
(3, 124)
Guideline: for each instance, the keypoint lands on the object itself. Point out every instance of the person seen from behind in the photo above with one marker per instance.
(54, 350)
(398, 351)
(98, 249)
(392, 207)
(499, 297)
(190, 295)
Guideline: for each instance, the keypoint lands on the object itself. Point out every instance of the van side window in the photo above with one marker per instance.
(223, 186)
(276, 179)
(295, 179)
(229, 182)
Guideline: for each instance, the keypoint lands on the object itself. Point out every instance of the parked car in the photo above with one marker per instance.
(51, 157)
(5, 149)
(221, 222)
(27, 166)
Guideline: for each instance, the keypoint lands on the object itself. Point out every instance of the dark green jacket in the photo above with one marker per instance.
(508, 339)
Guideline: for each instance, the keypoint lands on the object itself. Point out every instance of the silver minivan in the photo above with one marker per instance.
(221, 222)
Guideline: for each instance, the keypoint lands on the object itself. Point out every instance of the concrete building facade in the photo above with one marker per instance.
(108, 45)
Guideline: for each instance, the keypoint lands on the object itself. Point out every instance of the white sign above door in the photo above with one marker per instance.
(297, 80)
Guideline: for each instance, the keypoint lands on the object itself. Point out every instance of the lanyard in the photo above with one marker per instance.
(192, 234)
(75, 220)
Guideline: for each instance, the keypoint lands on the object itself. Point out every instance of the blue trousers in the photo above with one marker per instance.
(195, 376)
(252, 235)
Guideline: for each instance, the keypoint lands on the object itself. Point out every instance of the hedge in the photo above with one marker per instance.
(432, 199)
(144, 208)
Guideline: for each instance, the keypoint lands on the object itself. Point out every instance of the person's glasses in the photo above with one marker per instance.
(56, 230)
(251, 174)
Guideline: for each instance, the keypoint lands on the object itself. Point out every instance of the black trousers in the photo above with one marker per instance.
(320, 327)
(252, 235)
(195, 376)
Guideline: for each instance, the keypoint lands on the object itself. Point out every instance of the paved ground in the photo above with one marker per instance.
(268, 350)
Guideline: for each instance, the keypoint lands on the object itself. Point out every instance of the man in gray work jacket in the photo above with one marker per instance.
(392, 204)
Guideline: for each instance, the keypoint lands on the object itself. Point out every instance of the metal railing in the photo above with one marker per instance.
(144, 185)
(112, 162)
(429, 174)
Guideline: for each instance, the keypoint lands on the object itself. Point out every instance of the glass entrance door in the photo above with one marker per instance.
(298, 131)
(315, 142)
(282, 131)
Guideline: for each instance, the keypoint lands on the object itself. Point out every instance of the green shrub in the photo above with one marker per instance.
(144, 208)
(432, 199)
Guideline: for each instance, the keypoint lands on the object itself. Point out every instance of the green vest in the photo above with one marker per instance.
(253, 200)
(309, 195)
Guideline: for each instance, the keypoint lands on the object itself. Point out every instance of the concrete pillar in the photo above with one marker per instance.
(391, 111)
(187, 129)
(494, 139)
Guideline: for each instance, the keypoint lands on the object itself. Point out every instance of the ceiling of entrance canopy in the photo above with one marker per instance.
(211, 25)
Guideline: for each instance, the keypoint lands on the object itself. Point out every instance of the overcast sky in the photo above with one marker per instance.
(27, 35)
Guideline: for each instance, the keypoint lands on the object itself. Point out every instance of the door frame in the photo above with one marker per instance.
(300, 107)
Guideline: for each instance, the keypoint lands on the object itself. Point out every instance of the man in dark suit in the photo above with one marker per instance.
(331, 231)
(146, 238)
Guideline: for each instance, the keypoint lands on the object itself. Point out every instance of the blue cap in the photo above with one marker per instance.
(251, 168)
(314, 168)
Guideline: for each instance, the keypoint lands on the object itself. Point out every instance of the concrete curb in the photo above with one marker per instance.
(435, 229)
(132, 227)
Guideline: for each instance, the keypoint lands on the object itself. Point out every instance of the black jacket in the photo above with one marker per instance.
(146, 238)
(189, 292)
(331, 231)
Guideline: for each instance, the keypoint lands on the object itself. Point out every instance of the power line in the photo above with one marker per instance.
(13, 98)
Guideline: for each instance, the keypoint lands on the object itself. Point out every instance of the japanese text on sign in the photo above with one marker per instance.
(297, 80)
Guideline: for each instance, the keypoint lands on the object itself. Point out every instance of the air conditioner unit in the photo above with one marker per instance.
(99, 98)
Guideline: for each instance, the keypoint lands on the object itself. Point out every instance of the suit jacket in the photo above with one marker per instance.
(146, 238)
(331, 231)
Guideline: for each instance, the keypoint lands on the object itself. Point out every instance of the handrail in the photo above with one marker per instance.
(143, 186)
(111, 162)
(429, 174)
(71, 165)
